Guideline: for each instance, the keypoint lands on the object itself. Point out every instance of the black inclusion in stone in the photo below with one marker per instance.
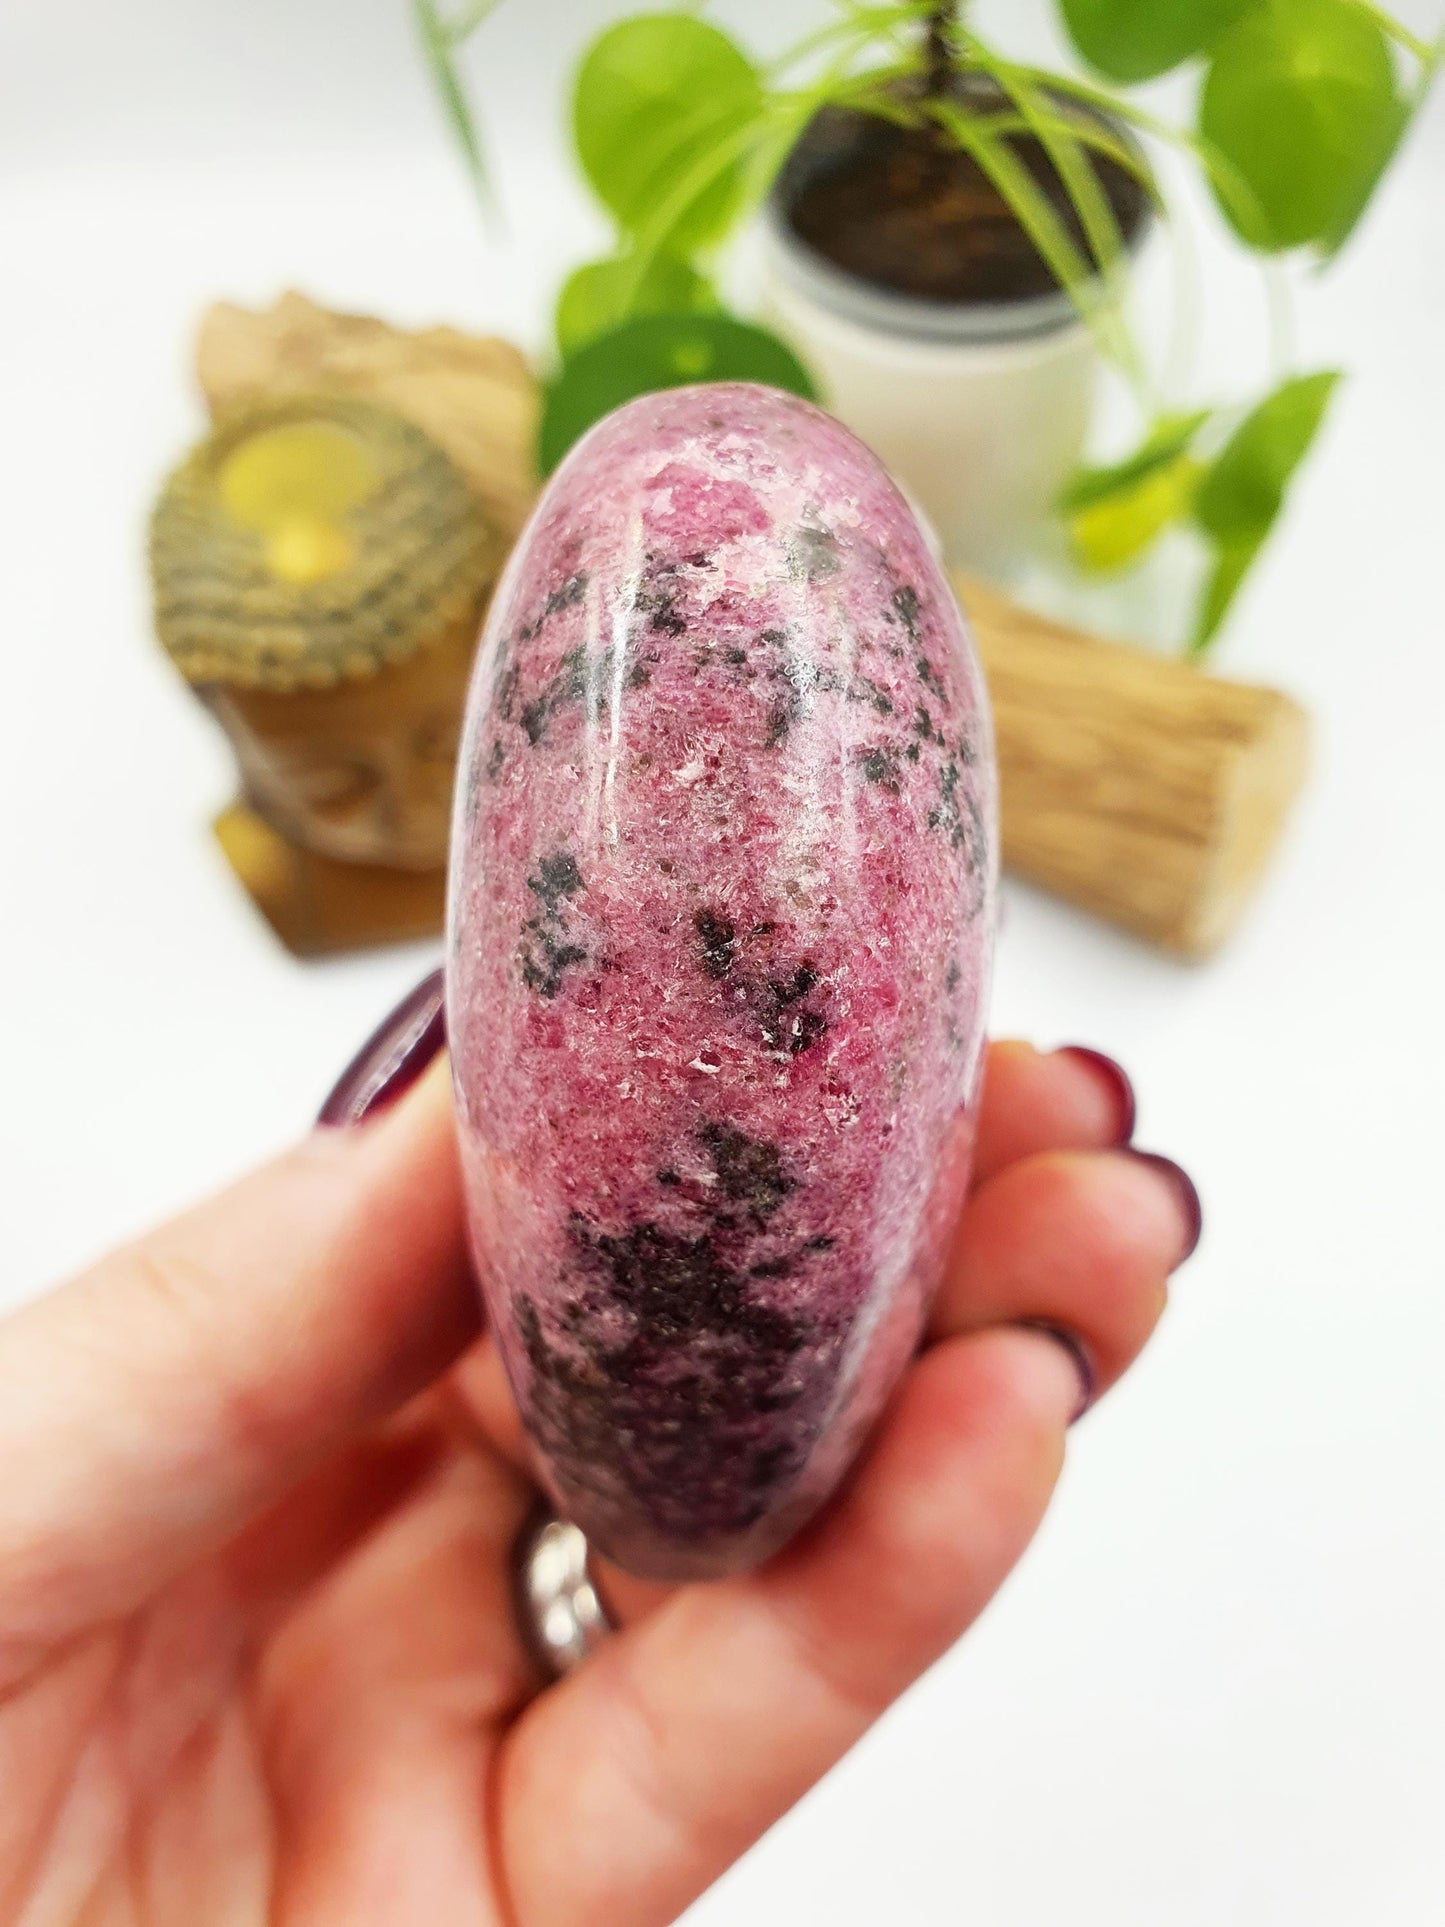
(568, 685)
(880, 766)
(679, 1289)
(773, 1268)
(864, 690)
(673, 1286)
(544, 958)
(776, 1004)
(790, 990)
(928, 676)
(789, 706)
(545, 953)
(673, 1385)
(978, 850)
(566, 597)
(813, 553)
(802, 1030)
(659, 598)
(781, 717)
(535, 715)
(945, 814)
(749, 1170)
(668, 620)
(558, 878)
(767, 1462)
(506, 694)
(717, 935)
(905, 602)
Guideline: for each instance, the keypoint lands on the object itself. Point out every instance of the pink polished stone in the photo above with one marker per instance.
(722, 912)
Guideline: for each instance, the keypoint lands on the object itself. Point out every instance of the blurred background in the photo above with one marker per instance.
(1214, 1691)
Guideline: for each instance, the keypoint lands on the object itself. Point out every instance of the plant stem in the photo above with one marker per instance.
(941, 49)
(1396, 30)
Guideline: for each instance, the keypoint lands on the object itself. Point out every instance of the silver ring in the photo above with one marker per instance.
(562, 1619)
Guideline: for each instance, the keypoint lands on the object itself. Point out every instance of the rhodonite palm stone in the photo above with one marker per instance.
(722, 909)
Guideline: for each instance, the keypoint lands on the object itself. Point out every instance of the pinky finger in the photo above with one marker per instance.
(687, 1735)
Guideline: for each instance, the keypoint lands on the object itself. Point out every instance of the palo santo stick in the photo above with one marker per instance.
(1134, 784)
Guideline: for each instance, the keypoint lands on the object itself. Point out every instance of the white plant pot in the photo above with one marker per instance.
(979, 410)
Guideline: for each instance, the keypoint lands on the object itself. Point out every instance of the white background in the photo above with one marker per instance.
(1215, 1692)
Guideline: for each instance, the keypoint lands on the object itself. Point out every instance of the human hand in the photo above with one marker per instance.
(260, 1481)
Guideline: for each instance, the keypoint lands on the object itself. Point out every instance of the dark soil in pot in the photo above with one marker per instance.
(904, 209)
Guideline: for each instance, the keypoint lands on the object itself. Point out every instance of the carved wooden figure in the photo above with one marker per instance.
(320, 570)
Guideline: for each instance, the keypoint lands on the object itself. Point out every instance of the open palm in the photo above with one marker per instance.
(260, 1480)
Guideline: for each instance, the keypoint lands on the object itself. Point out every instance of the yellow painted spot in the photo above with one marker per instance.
(302, 552)
(296, 484)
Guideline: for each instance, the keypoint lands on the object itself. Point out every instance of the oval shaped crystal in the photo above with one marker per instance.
(721, 920)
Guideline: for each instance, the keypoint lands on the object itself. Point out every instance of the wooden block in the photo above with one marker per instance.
(1131, 783)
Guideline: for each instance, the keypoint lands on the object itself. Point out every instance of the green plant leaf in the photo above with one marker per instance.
(1241, 494)
(1232, 564)
(1115, 511)
(1040, 221)
(1030, 206)
(1390, 132)
(1132, 40)
(439, 42)
(1244, 489)
(654, 95)
(659, 351)
(1115, 530)
(601, 295)
(670, 220)
(1057, 132)
(1302, 104)
(1170, 437)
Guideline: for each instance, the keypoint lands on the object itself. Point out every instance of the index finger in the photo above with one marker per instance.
(153, 1406)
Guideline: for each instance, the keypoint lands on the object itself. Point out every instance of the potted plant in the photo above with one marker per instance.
(897, 266)
(949, 232)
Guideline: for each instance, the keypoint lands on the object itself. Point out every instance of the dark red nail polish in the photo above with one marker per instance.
(392, 1058)
(1191, 1209)
(1120, 1087)
(1078, 1357)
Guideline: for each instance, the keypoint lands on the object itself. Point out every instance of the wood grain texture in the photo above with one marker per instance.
(1134, 784)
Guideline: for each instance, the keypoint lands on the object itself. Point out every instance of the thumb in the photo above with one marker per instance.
(153, 1406)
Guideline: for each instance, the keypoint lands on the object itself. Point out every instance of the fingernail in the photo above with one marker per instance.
(1183, 1186)
(1078, 1357)
(391, 1059)
(1121, 1089)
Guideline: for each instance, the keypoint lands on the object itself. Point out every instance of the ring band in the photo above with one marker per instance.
(561, 1617)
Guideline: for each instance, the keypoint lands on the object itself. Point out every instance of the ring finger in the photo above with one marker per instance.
(1080, 1242)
